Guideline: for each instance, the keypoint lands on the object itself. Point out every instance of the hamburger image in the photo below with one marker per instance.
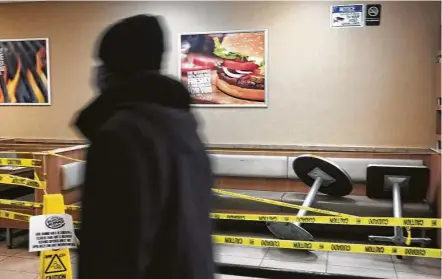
(240, 70)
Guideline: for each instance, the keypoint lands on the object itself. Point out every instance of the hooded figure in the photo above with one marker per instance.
(147, 191)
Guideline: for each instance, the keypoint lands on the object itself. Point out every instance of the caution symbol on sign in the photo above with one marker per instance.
(55, 265)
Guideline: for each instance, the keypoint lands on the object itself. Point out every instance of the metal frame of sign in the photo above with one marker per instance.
(266, 59)
(362, 19)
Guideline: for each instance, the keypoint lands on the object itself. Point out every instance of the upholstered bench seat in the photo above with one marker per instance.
(353, 205)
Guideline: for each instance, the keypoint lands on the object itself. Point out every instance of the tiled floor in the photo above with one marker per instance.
(20, 264)
(377, 266)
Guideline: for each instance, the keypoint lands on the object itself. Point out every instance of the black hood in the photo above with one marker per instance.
(122, 93)
(132, 45)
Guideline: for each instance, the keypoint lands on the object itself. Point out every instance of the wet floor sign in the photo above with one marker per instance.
(54, 264)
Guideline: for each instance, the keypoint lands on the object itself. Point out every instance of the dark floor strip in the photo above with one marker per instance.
(271, 273)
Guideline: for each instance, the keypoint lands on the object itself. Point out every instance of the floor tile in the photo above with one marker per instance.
(406, 275)
(20, 264)
(4, 251)
(427, 266)
(25, 254)
(301, 266)
(383, 262)
(240, 251)
(286, 255)
(359, 271)
(8, 274)
(237, 260)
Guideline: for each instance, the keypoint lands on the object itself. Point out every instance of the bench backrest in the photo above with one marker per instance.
(281, 166)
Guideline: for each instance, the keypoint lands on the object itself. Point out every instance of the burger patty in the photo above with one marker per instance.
(246, 81)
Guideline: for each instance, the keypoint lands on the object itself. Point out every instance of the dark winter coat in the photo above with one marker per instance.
(146, 197)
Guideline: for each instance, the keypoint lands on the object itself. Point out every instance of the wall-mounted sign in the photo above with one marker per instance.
(225, 69)
(343, 16)
(24, 72)
(373, 14)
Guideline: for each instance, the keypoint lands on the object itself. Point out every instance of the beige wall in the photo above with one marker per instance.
(361, 86)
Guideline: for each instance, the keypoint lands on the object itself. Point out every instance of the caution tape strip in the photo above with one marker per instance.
(358, 221)
(335, 220)
(16, 162)
(290, 244)
(22, 181)
(283, 204)
(328, 246)
(14, 216)
(34, 205)
(27, 204)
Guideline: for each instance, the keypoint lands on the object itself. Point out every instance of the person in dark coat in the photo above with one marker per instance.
(147, 191)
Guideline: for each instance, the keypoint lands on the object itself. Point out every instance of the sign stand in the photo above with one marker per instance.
(55, 264)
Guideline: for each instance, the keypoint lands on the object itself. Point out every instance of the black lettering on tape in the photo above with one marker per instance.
(378, 221)
(339, 220)
(13, 162)
(269, 243)
(413, 222)
(374, 249)
(341, 247)
(236, 217)
(233, 240)
(415, 252)
(267, 218)
(32, 183)
(302, 245)
(21, 218)
(305, 219)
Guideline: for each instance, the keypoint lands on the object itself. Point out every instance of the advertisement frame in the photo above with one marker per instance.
(266, 59)
(49, 103)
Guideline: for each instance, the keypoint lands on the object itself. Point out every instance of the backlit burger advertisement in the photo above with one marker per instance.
(225, 68)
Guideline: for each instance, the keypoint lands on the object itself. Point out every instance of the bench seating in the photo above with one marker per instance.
(72, 175)
(281, 167)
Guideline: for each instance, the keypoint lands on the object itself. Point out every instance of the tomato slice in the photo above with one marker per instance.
(241, 66)
(257, 72)
(204, 61)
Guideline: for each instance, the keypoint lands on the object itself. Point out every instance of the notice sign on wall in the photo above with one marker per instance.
(51, 232)
(373, 15)
(343, 16)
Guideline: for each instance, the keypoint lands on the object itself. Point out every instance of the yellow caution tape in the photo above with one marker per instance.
(16, 162)
(328, 246)
(14, 216)
(290, 244)
(21, 203)
(408, 240)
(283, 204)
(21, 181)
(334, 220)
(33, 204)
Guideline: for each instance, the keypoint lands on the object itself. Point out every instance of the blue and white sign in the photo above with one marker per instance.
(347, 16)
